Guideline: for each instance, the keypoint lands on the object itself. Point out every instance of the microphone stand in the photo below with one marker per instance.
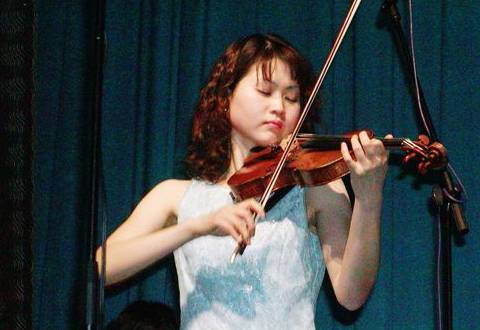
(93, 318)
(446, 194)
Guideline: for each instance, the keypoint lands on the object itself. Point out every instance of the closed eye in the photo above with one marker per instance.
(264, 92)
(292, 98)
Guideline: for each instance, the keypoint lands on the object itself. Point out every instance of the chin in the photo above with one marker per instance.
(268, 142)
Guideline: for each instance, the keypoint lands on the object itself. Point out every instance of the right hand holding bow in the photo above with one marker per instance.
(236, 220)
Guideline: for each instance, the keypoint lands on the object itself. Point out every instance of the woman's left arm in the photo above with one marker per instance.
(351, 240)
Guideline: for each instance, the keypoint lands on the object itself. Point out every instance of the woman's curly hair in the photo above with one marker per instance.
(209, 153)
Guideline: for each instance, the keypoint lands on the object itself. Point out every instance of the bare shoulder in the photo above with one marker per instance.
(169, 192)
(157, 209)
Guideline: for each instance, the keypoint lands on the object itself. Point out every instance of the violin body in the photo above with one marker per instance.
(251, 181)
(304, 167)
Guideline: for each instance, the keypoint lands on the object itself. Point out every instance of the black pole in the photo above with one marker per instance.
(94, 288)
(390, 8)
(17, 53)
(446, 195)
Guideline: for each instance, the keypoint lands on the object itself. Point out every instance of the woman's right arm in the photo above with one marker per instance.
(142, 239)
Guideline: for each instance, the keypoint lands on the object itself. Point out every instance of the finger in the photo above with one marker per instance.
(369, 145)
(358, 150)
(255, 207)
(248, 218)
(250, 226)
(376, 150)
(346, 155)
(241, 227)
(387, 152)
(380, 146)
(363, 137)
(231, 230)
(243, 213)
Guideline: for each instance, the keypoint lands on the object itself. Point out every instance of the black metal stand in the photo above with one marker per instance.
(446, 195)
(93, 318)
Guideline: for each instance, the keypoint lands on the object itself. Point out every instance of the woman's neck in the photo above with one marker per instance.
(240, 151)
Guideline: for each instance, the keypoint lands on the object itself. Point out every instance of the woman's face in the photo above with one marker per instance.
(263, 112)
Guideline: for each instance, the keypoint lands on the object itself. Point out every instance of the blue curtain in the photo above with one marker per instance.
(157, 59)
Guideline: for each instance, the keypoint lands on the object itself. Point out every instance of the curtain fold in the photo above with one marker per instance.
(159, 54)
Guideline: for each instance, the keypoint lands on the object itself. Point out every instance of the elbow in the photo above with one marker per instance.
(98, 261)
(352, 304)
(114, 273)
(354, 299)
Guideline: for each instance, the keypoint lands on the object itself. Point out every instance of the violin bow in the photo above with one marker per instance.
(331, 55)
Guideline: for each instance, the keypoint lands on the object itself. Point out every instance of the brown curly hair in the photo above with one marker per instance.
(209, 154)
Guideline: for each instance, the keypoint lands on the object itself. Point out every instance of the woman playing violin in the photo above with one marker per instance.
(253, 97)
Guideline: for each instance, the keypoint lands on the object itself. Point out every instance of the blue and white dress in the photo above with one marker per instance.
(273, 285)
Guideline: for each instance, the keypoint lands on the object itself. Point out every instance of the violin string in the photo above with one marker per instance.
(420, 149)
(415, 147)
(334, 141)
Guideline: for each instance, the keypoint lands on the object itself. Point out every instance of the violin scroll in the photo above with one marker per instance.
(426, 155)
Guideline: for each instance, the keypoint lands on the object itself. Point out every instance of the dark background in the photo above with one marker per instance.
(158, 57)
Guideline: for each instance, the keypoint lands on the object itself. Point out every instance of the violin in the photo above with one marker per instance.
(317, 160)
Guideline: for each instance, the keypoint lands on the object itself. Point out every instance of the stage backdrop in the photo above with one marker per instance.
(157, 59)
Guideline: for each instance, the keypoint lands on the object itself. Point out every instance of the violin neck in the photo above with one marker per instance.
(332, 142)
(393, 143)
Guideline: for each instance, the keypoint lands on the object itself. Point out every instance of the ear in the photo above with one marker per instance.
(229, 95)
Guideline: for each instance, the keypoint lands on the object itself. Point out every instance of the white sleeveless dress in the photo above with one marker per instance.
(273, 285)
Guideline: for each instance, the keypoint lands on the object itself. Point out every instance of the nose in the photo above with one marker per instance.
(277, 106)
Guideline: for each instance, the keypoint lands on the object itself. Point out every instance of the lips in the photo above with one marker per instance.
(278, 124)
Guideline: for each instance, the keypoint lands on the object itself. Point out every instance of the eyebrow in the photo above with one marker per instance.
(293, 87)
(289, 87)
